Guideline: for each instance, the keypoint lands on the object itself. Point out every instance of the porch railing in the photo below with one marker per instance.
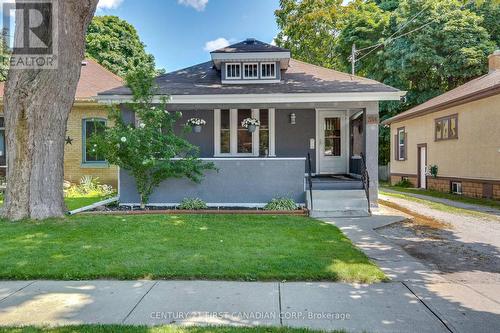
(365, 178)
(309, 179)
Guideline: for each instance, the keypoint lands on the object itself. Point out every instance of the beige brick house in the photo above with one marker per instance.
(459, 132)
(86, 117)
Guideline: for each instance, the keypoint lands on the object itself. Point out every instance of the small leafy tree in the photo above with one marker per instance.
(149, 149)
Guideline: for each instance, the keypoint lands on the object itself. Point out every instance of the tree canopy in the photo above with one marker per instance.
(115, 44)
(425, 47)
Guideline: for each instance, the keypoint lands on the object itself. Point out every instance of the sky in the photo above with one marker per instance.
(181, 33)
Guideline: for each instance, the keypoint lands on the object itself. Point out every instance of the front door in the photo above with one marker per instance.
(332, 148)
(422, 167)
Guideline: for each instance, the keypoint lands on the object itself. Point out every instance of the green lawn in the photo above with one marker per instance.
(160, 329)
(215, 247)
(449, 196)
(76, 202)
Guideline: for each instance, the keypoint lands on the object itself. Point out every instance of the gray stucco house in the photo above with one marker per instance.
(313, 121)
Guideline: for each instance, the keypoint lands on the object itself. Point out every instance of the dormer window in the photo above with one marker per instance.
(268, 70)
(251, 71)
(233, 71)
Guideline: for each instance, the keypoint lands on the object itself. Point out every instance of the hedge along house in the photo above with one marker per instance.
(305, 112)
(459, 132)
(86, 117)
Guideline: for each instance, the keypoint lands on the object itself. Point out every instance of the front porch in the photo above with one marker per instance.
(272, 162)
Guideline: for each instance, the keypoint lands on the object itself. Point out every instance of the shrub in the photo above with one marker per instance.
(192, 204)
(404, 183)
(89, 186)
(281, 204)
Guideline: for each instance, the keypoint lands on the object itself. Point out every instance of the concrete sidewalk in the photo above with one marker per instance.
(387, 307)
(461, 307)
(452, 203)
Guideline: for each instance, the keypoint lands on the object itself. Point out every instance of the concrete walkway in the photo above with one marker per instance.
(452, 203)
(387, 307)
(461, 307)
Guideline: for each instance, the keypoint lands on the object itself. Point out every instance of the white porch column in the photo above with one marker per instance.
(371, 148)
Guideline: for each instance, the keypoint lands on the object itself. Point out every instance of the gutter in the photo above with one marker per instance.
(93, 206)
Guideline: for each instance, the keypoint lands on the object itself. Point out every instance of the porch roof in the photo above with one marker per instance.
(300, 78)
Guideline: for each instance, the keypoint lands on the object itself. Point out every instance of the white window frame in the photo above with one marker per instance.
(458, 185)
(251, 77)
(262, 64)
(233, 119)
(84, 140)
(227, 72)
(400, 145)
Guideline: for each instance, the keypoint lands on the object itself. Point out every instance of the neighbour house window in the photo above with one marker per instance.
(401, 144)
(251, 71)
(232, 139)
(456, 187)
(268, 70)
(92, 127)
(447, 128)
(233, 71)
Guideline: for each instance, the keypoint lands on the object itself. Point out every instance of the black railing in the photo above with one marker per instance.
(309, 179)
(365, 178)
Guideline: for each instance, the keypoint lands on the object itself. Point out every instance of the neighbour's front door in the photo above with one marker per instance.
(332, 138)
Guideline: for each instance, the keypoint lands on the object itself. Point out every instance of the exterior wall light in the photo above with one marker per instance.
(293, 118)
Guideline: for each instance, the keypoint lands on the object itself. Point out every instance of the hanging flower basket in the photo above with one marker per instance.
(250, 124)
(196, 124)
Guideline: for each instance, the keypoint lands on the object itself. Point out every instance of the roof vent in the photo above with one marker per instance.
(250, 41)
(84, 63)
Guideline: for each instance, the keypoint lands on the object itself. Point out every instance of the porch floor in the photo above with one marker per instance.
(336, 182)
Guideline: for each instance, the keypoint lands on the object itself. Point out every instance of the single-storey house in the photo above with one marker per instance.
(459, 132)
(86, 117)
(313, 120)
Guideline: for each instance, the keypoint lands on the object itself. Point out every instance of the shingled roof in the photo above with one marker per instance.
(250, 45)
(301, 77)
(484, 86)
(93, 79)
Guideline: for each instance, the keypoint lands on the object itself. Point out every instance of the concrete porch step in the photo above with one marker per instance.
(338, 203)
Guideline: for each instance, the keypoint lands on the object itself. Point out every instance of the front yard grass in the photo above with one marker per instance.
(454, 197)
(212, 247)
(75, 202)
(160, 329)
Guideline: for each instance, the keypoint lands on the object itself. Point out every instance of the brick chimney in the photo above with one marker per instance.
(494, 61)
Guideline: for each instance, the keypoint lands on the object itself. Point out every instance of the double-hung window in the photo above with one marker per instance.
(268, 70)
(401, 144)
(251, 71)
(232, 139)
(447, 128)
(233, 71)
(92, 127)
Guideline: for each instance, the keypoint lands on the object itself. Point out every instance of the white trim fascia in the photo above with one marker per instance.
(251, 56)
(266, 98)
(250, 81)
(212, 205)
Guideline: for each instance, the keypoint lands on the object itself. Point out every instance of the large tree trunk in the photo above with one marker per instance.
(37, 106)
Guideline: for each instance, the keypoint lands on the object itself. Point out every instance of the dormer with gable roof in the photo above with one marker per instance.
(251, 62)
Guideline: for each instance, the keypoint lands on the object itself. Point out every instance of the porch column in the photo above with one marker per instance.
(371, 148)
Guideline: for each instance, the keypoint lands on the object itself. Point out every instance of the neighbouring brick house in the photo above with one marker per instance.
(86, 117)
(459, 132)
